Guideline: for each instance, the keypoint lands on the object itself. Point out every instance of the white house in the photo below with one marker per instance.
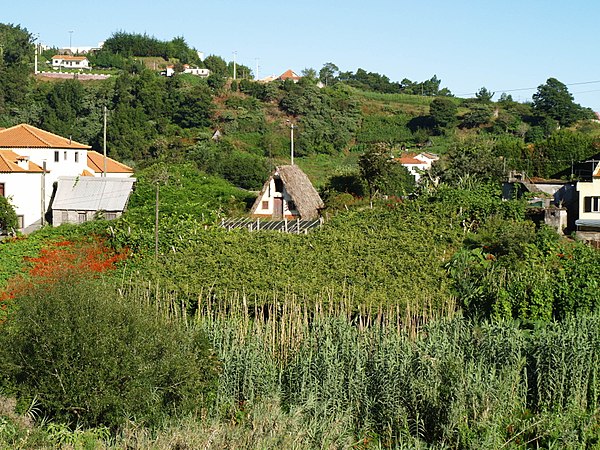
(70, 62)
(34, 159)
(417, 163)
(588, 222)
(21, 181)
(289, 194)
(202, 73)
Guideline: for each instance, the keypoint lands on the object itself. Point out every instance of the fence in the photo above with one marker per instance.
(284, 226)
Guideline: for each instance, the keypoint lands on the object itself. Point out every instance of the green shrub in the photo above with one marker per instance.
(94, 358)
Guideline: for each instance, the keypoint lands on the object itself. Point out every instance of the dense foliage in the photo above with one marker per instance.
(90, 358)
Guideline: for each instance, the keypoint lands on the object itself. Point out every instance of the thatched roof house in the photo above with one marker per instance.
(288, 193)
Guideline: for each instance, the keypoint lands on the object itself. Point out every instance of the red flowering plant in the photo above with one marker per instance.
(60, 260)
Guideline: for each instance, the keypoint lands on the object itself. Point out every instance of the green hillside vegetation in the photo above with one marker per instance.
(427, 316)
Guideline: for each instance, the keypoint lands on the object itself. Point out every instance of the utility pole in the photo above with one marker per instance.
(234, 66)
(43, 205)
(256, 75)
(104, 143)
(70, 40)
(292, 126)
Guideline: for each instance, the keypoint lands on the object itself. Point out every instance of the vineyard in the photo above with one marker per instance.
(445, 321)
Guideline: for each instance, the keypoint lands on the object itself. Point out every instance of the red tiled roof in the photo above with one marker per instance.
(9, 163)
(407, 159)
(69, 57)
(95, 162)
(289, 74)
(26, 136)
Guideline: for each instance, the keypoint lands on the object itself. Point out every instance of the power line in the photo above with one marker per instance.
(534, 88)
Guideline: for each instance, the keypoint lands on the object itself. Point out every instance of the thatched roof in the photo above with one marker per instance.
(300, 189)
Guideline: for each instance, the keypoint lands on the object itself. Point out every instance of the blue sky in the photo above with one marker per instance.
(499, 44)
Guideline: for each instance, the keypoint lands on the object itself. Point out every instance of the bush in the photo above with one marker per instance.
(93, 358)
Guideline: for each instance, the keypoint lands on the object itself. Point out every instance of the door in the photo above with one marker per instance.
(278, 208)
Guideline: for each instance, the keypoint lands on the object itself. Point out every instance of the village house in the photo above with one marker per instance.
(70, 62)
(588, 221)
(33, 160)
(417, 163)
(289, 75)
(289, 194)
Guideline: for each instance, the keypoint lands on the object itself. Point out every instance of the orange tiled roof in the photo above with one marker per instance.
(289, 74)
(69, 57)
(96, 163)
(9, 163)
(26, 136)
(408, 159)
(86, 173)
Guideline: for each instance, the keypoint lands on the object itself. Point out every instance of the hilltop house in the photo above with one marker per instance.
(289, 75)
(31, 162)
(70, 62)
(289, 194)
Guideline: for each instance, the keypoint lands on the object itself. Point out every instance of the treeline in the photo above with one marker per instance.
(132, 44)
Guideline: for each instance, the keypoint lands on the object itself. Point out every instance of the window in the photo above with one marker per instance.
(278, 185)
(56, 157)
(591, 204)
(76, 157)
(110, 215)
(65, 217)
(2, 194)
(65, 156)
(265, 204)
(291, 205)
(81, 217)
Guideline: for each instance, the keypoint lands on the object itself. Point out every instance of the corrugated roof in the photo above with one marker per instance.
(96, 162)
(9, 163)
(92, 194)
(27, 136)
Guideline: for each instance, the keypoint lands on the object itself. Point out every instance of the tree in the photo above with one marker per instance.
(553, 100)
(483, 95)
(309, 73)
(382, 174)
(328, 73)
(8, 216)
(443, 113)
(16, 53)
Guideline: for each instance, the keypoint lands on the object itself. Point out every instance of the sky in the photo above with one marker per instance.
(509, 46)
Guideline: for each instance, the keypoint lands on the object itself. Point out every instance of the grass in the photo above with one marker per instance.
(320, 167)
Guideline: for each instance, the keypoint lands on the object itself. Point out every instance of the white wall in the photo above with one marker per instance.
(24, 191)
(64, 167)
(588, 190)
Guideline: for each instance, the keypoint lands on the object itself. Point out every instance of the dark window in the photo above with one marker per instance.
(65, 156)
(2, 190)
(291, 205)
(110, 215)
(265, 204)
(56, 157)
(82, 217)
(76, 157)
(278, 185)
(591, 204)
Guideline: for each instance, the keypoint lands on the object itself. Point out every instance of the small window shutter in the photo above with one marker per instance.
(587, 204)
